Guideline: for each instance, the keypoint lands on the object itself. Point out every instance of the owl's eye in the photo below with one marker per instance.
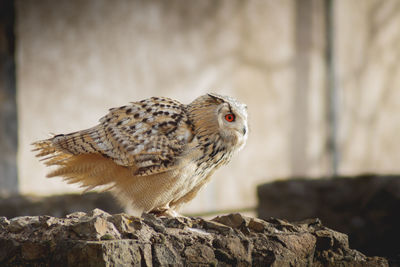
(230, 117)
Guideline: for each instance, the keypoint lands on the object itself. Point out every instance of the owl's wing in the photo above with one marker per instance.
(149, 136)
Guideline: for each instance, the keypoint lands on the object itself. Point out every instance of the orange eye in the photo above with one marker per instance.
(229, 117)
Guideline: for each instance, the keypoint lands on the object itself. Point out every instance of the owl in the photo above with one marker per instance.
(153, 155)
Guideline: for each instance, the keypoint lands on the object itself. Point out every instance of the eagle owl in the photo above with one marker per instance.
(154, 155)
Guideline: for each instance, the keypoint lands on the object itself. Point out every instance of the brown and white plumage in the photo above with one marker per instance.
(154, 155)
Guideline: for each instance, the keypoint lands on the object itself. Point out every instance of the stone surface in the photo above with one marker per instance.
(364, 207)
(97, 238)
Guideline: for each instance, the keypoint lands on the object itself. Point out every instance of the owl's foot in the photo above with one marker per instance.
(166, 212)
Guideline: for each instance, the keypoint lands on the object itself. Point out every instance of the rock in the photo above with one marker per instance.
(97, 238)
(20, 223)
(366, 208)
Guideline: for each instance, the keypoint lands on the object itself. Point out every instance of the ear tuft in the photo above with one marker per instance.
(217, 98)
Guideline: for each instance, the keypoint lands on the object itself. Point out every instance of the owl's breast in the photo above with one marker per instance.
(193, 169)
(186, 178)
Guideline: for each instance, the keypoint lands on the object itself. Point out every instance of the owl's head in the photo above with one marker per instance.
(224, 115)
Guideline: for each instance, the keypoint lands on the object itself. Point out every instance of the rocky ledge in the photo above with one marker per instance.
(100, 239)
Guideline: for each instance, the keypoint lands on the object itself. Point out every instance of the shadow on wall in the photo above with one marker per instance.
(57, 206)
(364, 207)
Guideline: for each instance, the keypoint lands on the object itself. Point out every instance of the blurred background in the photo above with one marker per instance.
(320, 77)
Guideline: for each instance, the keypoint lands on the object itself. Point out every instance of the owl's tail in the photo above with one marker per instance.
(88, 168)
(55, 150)
(48, 151)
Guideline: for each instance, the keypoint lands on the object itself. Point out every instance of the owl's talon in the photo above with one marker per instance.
(167, 212)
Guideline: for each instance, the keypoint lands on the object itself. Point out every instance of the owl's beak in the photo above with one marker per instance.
(244, 130)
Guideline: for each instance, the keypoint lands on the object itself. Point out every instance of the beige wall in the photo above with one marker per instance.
(369, 57)
(76, 59)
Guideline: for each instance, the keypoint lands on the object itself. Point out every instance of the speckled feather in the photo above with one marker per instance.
(154, 142)
(149, 135)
